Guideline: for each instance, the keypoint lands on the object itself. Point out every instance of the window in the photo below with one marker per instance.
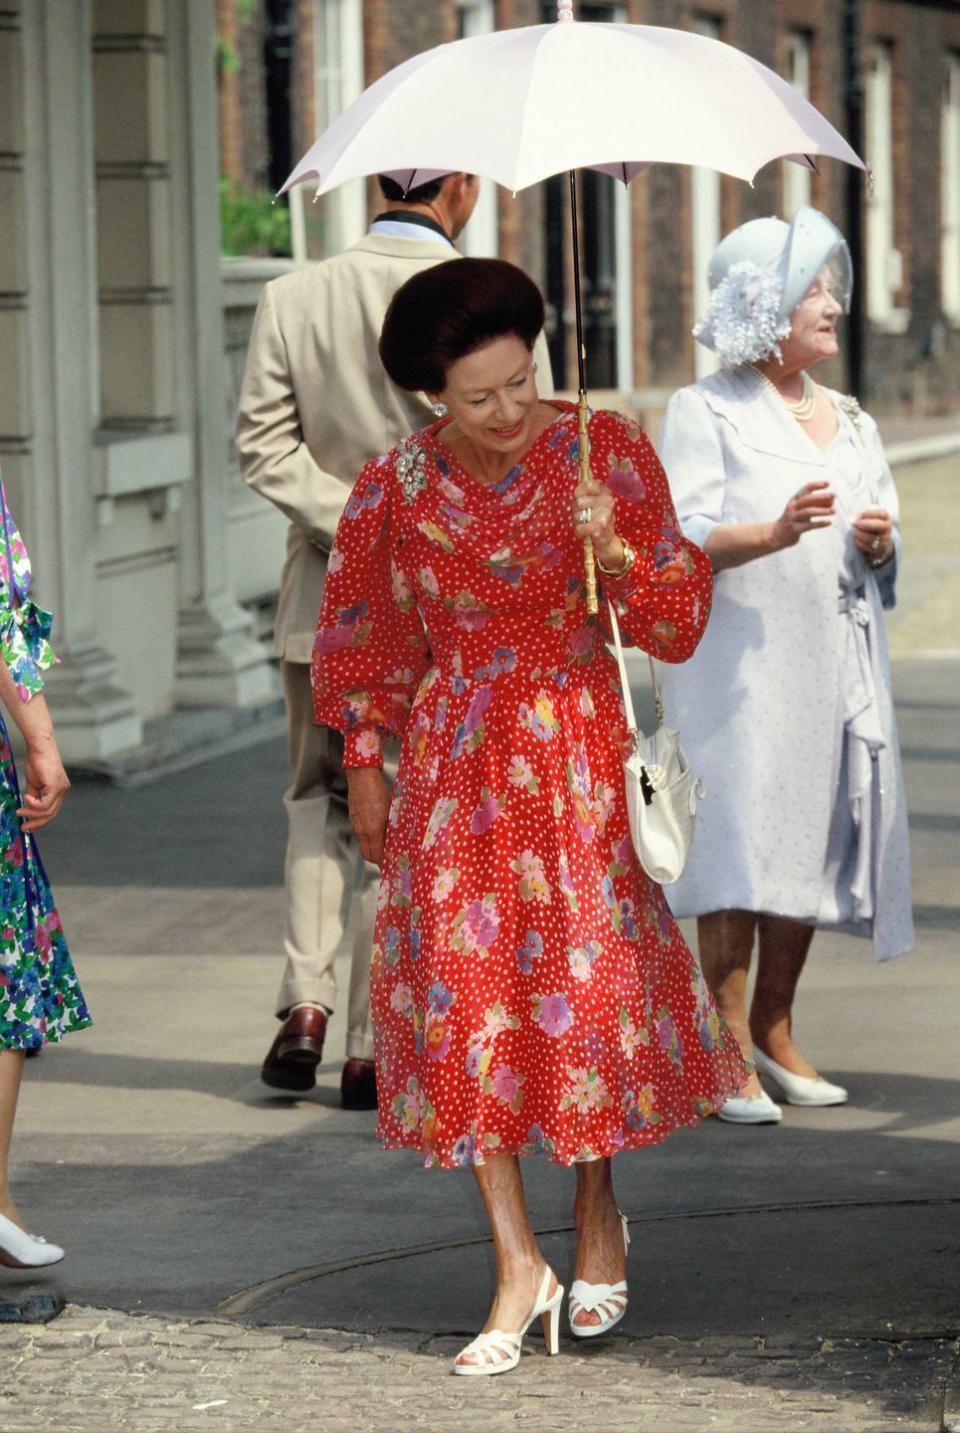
(480, 238)
(705, 196)
(339, 218)
(884, 261)
(950, 191)
(796, 179)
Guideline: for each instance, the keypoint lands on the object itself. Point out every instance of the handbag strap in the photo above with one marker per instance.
(627, 698)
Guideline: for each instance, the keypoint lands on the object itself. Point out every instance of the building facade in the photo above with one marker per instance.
(123, 330)
(885, 72)
(113, 394)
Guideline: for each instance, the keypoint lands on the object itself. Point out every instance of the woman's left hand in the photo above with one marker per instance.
(592, 497)
(46, 785)
(873, 534)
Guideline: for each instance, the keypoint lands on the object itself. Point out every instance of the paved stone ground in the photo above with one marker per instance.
(94, 1370)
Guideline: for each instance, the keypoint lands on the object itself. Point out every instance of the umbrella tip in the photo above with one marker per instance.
(564, 11)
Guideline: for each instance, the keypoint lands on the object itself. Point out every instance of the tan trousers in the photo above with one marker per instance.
(331, 891)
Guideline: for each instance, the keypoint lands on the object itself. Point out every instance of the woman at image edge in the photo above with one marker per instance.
(40, 999)
(530, 990)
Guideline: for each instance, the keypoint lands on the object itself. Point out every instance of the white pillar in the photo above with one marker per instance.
(219, 662)
(54, 483)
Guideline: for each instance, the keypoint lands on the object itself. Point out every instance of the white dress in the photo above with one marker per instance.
(785, 708)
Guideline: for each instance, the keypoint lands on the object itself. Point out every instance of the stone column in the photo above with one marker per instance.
(219, 662)
(48, 356)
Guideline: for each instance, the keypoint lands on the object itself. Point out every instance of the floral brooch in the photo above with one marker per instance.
(411, 468)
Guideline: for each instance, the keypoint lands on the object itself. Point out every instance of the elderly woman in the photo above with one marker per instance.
(786, 708)
(530, 990)
(40, 999)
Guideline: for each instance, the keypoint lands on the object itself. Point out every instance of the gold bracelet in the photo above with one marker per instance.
(629, 558)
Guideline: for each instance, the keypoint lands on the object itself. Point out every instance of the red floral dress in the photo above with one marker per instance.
(530, 989)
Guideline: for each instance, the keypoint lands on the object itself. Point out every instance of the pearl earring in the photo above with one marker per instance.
(440, 409)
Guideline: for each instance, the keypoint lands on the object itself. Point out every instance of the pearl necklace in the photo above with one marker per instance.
(802, 411)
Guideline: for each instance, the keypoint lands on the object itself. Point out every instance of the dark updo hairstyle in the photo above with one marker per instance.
(445, 312)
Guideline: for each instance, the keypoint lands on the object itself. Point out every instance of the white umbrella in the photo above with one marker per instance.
(517, 106)
(520, 105)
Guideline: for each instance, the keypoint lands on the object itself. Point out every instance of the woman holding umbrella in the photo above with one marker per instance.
(786, 708)
(530, 991)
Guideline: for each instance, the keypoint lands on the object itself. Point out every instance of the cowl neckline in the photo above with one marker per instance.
(512, 486)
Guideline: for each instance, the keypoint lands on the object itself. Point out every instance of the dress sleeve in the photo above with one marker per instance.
(691, 453)
(664, 600)
(24, 627)
(886, 575)
(370, 649)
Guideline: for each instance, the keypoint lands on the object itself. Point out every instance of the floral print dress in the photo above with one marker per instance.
(40, 999)
(530, 989)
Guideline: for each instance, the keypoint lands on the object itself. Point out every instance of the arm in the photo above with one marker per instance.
(693, 456)
(370, 649)
(663, 595)
(734, 543)
(274, 459)
(46, 781)
(881, 523)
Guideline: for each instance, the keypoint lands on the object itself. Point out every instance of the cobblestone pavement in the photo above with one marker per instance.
(96, 1371)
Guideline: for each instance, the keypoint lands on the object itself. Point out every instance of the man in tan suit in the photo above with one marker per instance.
(316, 405)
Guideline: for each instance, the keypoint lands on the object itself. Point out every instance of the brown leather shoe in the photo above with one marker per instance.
(358, 1085)
(293, 1057)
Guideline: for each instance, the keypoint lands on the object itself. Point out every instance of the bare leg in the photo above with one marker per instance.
(783, 948)
(725, 939)
(11, 1070)
(520, 1264)
(601, 1258)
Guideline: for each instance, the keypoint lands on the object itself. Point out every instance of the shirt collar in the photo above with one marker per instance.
(402, 223)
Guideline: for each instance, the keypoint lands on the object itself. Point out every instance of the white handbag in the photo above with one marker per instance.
(662, 792)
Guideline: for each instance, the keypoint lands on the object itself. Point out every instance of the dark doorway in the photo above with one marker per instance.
(598, 257)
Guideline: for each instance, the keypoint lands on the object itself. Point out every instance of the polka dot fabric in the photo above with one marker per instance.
(530, 989)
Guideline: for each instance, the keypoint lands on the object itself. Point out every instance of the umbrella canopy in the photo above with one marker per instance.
(517, 106)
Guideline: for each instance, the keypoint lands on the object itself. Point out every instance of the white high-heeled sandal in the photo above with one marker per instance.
(608, 1300)
(498, 1352)
(20, 1250)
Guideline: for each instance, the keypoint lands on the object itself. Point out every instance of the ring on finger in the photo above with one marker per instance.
(585, 514)
(875, 543)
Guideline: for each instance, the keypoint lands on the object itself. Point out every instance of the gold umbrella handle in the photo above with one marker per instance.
(589, 565)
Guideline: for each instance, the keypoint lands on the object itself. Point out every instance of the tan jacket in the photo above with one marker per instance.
(316, 404)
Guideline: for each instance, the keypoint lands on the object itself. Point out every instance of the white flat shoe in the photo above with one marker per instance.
(609, 1300)
(799, 1089)
(498, 1352)
(750, 1110)
(20, 1250)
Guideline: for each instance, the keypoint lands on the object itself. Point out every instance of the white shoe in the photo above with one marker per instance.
(20, 1250)
(609, 1300)
(799, 1089)
(498, 1352)
(750, 1110)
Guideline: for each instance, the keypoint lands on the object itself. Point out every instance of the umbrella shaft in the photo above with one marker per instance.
(577, 301)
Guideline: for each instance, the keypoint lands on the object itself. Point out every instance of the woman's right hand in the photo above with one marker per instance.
(368, 801)
(812, 506)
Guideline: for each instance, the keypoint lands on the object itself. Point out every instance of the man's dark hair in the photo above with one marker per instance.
(445, 312)
(396, 193)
